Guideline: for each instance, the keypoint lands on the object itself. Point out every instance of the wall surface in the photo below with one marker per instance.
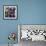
(7, 26)
(29, 12)
(33, 12)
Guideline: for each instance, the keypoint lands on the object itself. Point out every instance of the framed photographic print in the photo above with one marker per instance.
(10, 12)
(33, 32)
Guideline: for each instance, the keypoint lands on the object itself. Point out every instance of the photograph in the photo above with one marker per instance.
(10, 12)
(32, 32)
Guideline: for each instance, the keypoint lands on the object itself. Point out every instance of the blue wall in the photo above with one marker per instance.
(29, 12)
(33, 12)
(7, 26)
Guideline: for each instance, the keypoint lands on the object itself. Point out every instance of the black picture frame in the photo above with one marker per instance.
(14, 11)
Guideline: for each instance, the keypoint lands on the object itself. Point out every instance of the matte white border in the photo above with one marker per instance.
(18, 33)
